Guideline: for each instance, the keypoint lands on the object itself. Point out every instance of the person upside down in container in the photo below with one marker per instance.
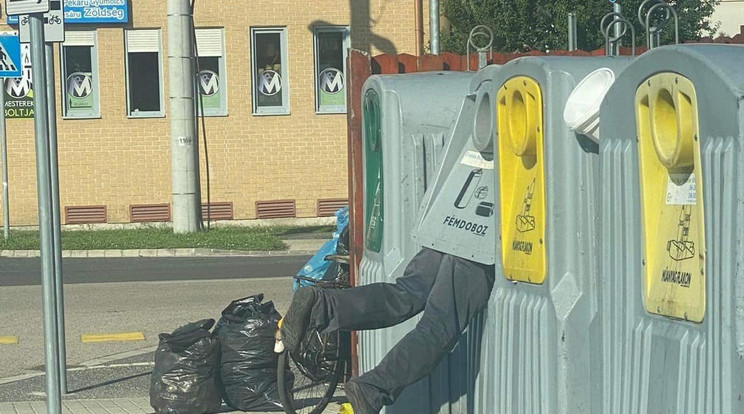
(449, 290)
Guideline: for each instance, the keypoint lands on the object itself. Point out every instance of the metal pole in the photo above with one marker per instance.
(655, 37)
(41, 128)
(572, 31)
(4, 151)
(184, 175)
(617, 29)
(434, 26)
(56, 222)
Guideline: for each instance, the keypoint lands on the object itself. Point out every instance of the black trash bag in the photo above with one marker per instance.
(248, 369)
(183, 380)
(339, 272)
(336, 272)
(342, 247)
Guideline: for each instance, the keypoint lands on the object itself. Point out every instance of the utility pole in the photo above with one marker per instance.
(434, 26)
(184, 148)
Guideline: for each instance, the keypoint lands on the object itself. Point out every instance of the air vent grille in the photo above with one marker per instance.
(85, 214)
(328, 207)
(276, 209)
(218, 211)
(149, 213)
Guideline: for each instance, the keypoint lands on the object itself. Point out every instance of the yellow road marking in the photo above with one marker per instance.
(112, 337)
(9, 340)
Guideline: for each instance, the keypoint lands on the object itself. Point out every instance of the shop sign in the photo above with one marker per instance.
(270, 83)
(209, 88)
(80, 91)
(331, 83)
(92, 12)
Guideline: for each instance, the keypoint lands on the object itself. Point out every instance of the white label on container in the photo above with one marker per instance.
(476, 160)
(684, 194)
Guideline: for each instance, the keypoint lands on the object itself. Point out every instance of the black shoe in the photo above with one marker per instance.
(297, 318)
(355, 394)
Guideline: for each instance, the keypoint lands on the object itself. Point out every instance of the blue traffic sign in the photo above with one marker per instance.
(10, 56)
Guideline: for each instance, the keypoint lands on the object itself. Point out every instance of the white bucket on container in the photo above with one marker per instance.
(582, 108)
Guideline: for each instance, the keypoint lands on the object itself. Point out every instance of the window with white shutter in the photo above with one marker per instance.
(80, 83)
(211, 79)
(144, 73)
(331, 45)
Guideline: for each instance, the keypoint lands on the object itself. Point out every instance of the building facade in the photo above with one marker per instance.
(272, 79)
(730, 13)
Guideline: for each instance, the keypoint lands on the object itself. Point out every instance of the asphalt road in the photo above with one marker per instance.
(27, 272)
(117, 295)
(108, 370)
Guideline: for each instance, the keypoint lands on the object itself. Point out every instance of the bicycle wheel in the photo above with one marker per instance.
(307, 382)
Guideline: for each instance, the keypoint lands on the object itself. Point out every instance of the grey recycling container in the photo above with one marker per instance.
(407, 122)
(541, 327)
(671, 278)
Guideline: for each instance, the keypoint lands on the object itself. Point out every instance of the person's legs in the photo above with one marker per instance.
(373, 306)
(461, 290)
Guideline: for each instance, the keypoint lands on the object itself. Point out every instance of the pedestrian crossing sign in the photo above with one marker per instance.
(10, 56)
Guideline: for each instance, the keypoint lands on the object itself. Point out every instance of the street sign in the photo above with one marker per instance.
(17, 7)
(19, 92)
(54, 24)
(10, 56)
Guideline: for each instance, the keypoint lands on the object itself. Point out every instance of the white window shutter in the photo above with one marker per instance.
(209, 42)
(143, 41)
(80, 38)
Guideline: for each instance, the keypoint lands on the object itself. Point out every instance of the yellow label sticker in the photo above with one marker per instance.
(671, 197)
(522, 180)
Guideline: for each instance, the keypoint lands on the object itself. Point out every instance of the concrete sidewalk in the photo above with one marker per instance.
(112, 406)
(117, 406)
(296, 247)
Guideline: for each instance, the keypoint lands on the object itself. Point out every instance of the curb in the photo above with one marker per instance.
(99, 254)
(305, 247)
(136, 405)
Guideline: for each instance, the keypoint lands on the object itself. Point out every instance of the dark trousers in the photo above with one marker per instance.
(449, 290)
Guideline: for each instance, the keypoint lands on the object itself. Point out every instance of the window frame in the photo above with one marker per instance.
(284, 109)
(145, 114)
(345, 31)
(67, 113)
(223, 110)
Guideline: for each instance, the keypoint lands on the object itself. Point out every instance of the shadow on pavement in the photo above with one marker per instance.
(111, 382)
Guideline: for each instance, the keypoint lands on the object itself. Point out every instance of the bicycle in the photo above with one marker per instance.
(322, 361)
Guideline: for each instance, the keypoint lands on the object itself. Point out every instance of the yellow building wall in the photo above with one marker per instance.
(117, 161)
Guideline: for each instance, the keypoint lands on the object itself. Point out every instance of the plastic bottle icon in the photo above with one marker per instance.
(469, 189)
(374, 227)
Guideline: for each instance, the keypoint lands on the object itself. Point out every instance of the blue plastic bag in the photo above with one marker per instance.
(316, 267)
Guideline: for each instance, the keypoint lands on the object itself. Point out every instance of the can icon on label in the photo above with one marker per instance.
(485, 209)
(469, 189)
